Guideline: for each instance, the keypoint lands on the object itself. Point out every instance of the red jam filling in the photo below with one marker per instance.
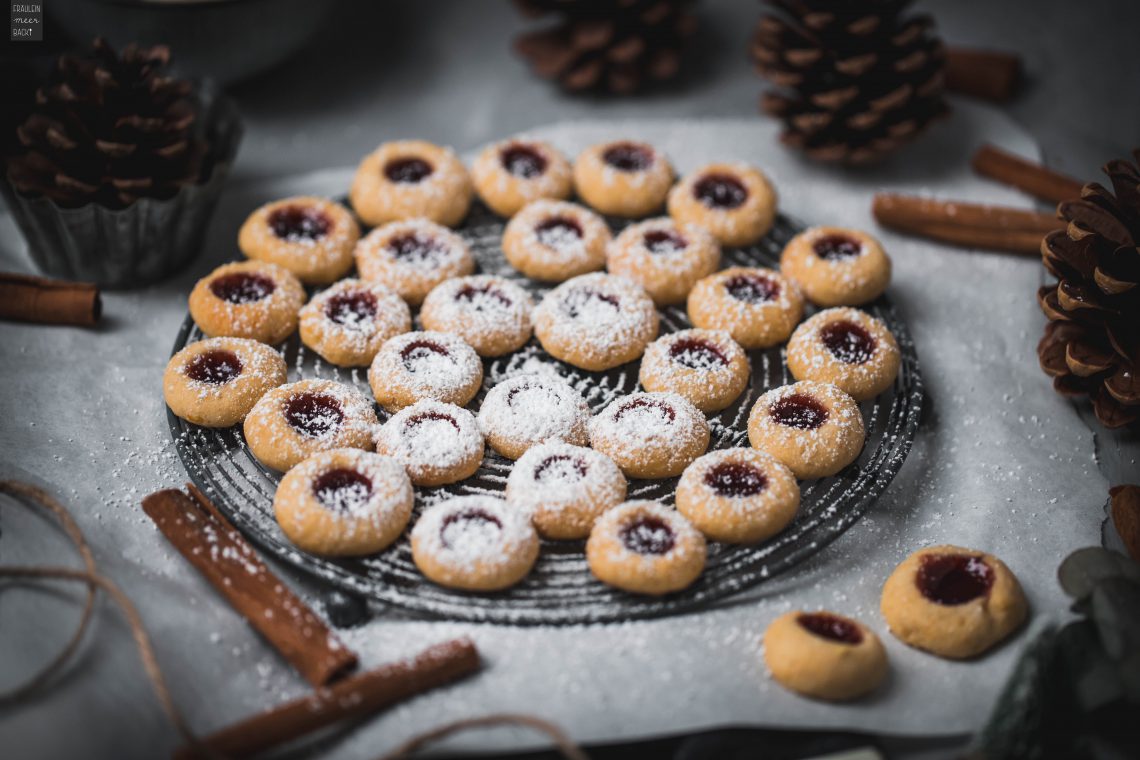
(666, 412)
(720, 191)
(523, 161)
(848, 342)
(648, 535)
(586, 302)
(752, 288)
(473, 519)
(952, 579)
(697, 353)
(214, 367)
(482, 297)
(299, 223)
(628, 157)
(837, 247)
(242, 287)
(530, 390)
(407, 171)
(313, 414)
(560, 468)
(415, 248)
(664, 242)
(418, 351)
(420, 419)
(353, 308)
(799, 411)
(342, 489)
(558, 232)
(830, 627)
(735, 480)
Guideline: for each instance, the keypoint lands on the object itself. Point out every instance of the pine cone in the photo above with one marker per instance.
(615, 45)
(1091, 345)
(856, 79)
(109, 129)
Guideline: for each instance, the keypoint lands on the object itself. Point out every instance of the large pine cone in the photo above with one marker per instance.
(1092, 342)
(857, 79)
(614, 45)
(109, 129)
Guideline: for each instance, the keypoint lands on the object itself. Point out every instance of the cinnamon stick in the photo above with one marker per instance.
(353, 697)
(991, 75)
(50, 302)
(205, 538)
(1027, 176)
(970, 225)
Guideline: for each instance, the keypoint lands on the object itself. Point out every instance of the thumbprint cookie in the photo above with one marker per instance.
(835, 266)
(707, 367)
(311, 237)
(645, 548)
(555, 240)
(215, 382)
(349, 322)
(526, 410)
(413, 257)
(510, 174)
(438, 443)
(758, 307)
(734, 202)
(491, 313)
(650, 435)
(425, 365)
(824, 656)
(596, 321)
(295, 421)
(623, 178)
(247, 299)
(814, 429)
(663, 257)
(953, 602)
(564, 488)
(344, 503)
(739, 496)
(411, 179)
(474, 543)
(847, 348)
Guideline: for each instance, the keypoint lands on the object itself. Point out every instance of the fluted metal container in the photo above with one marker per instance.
(144, 242)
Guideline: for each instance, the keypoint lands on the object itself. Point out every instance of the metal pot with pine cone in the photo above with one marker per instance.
(856, 79)
(618, 46)
(1091, 345)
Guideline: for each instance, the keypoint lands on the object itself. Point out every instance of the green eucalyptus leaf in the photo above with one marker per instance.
(1116, 612)
(1084, 568)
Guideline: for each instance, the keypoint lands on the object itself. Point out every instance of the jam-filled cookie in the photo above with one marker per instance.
(824, 656)
(344, 503)
(510, 174)
(814, 429)
(411, 179)
(215, 382)
(475, 543)
(739, 496)
(848, 348)
(349, 322)
(491, 313)
(555, 240)
(650, 435)
(526, 410)
(564, 488)
(425, 365)
(413, 257)
(247, 299)
(758, 307)
(835, 266)
(734, 202)
(438, 443)
(311, 237)
(596, 321)
(295, 421)
(707, 367)
(663, 257)
(953, 602)
(623, 178)
(645, 548)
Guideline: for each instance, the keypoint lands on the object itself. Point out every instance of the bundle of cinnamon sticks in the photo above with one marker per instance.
(982, 226)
